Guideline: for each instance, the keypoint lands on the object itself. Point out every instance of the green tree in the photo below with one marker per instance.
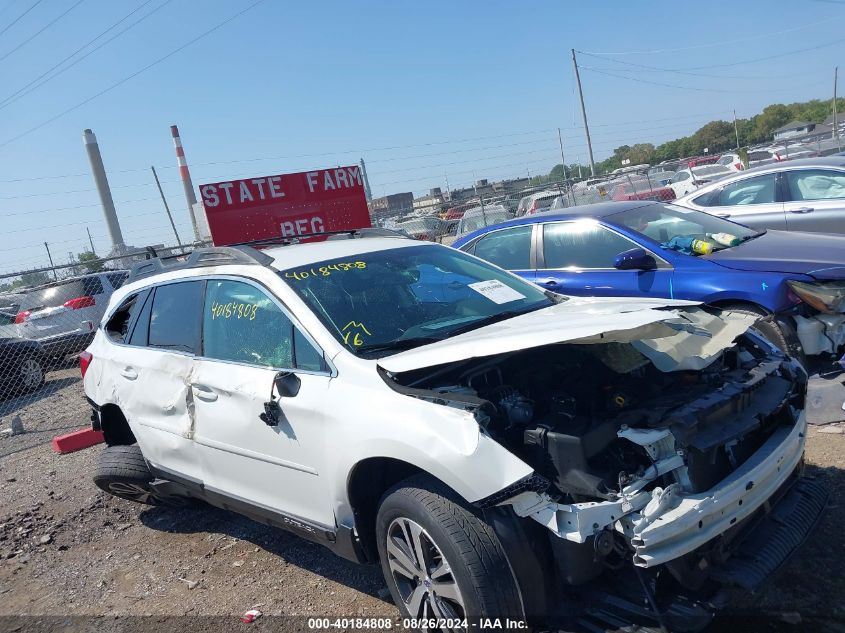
(34, 279)
(92, 263)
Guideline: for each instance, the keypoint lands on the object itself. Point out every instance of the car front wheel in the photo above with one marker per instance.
(30, 374)
(440, 559)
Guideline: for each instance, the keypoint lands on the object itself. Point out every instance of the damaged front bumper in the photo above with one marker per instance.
(694, 519)
(662, 525)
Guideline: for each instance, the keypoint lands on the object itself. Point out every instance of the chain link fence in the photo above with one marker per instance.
(44, 327)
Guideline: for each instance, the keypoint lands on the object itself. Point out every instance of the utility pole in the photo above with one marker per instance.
(166, 207)
(368, 194)
(584, 114)
(835, 119)
(50, 257)
(90, 241)
(736, 131)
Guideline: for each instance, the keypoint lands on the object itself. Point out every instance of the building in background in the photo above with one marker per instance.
(396, 204)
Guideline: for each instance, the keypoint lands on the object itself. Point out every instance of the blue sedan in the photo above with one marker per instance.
(653, 249)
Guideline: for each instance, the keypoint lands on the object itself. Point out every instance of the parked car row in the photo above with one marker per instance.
(41, 326)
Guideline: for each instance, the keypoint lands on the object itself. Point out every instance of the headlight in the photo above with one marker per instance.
(828, 297)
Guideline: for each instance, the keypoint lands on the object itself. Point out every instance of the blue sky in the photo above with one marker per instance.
(421, 91)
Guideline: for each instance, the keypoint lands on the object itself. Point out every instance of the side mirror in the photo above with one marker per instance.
(287, 384)
(634, 259)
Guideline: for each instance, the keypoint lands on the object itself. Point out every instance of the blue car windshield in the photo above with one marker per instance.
(677, 228)
(386, 301)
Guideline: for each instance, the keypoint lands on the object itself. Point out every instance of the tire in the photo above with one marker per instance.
(466, 573)
(30, 374)
(769, 329)
(123, 472)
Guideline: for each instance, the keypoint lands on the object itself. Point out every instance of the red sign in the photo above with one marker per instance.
(285, 205)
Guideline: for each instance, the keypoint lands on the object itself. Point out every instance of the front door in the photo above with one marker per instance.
(577, 257)
(815, 200)
(247, 339)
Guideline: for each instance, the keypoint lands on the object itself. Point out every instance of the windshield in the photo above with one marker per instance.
(677, 228)
(382, 302)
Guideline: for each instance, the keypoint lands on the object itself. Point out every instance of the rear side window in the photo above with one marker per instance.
(509, 248)
(175, 316)
(124, 317)
(116, 279)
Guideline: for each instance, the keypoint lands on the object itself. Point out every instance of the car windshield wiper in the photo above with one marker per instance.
(398, 345)
(493, 318)
(743, 240)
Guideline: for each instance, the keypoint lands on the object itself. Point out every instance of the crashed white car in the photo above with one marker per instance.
(500, 450)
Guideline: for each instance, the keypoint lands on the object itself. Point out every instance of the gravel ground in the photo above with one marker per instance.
(67, 549)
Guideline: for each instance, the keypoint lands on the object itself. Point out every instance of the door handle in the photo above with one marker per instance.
(204, 393)
(723, 215)
(802, 210)
(129, 373)
(549, 283)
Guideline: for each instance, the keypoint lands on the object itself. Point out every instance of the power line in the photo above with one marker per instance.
(692, 88)
(25, 90)
(712, 44)
(17, 19)
(132, 75)
(42, 29)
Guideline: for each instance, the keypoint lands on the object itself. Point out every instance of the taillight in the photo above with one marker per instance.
(20, 317)
(85, 359)
(778, 156)
(739, 166)
(79, 303)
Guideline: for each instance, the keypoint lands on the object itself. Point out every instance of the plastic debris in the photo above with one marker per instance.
(250, 616)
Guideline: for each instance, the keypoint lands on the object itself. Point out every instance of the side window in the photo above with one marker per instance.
(119, 324)
(816, 184)
(116, 279)
(756, 190)
(140, 335)
(92, 285)
(680, 176)
(581, 245)
(509, 248)
(175, 316)
(242, 324)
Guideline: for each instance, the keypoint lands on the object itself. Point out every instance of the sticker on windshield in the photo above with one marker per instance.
(496, 291)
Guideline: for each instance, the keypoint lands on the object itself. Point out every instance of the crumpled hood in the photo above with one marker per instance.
(587, 320)
(821, 256)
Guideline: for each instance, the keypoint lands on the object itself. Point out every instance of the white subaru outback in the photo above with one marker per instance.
(501, 451)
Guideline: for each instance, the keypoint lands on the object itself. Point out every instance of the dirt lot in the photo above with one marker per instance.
(67, 549)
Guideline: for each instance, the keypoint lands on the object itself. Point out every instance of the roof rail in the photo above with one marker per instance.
(288, 240)
(244, 255)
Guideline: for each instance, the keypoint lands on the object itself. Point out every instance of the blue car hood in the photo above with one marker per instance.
(815, 254)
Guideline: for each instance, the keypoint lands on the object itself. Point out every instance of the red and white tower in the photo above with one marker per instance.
(186, 179)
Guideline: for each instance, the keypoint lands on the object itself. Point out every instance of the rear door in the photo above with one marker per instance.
(151, 373)
(509, 248)
(815, 200)
(755, 201)
(576, 258)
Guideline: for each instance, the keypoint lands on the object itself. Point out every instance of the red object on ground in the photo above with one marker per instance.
(286, 205)
(77, 440)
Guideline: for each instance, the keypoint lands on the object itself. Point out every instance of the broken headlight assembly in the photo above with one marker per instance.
(827, 297)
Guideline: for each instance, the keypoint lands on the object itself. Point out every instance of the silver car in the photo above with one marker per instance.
(63, 316)
(798, 195)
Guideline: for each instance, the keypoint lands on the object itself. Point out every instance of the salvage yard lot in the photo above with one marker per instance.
(68, 549)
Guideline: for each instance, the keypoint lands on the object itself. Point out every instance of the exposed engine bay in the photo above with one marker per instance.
(623, 442)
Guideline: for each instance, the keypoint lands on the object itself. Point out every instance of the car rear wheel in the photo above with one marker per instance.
(123, 472)
(440, 559)
(30, 374)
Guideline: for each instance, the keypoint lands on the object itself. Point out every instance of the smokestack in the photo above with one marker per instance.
(367, 192)
(102, 183)
(186, 179)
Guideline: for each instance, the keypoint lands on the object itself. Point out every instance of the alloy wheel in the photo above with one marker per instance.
(132, 492)
(31, 373)
(423, 576)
